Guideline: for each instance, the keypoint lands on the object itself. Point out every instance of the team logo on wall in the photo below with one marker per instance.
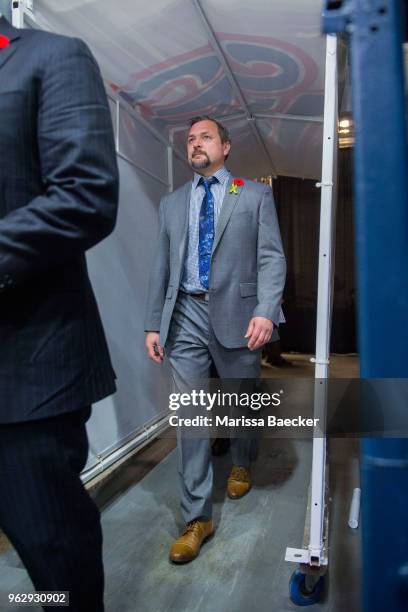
(274, 75)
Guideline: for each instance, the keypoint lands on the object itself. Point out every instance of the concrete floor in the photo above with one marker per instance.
(243, 566)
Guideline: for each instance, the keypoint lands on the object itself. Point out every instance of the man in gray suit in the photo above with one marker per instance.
(214, 298)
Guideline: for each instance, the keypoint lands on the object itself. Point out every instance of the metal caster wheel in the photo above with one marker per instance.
(302, 593)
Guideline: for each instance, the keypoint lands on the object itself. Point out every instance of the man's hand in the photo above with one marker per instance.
(259, 332)
(154, 350)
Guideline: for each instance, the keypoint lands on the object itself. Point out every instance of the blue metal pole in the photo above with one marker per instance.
(381, 220)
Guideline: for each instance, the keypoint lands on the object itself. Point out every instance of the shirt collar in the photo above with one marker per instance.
(222, 175)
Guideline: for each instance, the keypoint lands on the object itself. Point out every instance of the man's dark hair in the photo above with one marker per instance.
(222, 130)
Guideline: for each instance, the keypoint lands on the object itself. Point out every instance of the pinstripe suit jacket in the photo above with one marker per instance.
(58, 197)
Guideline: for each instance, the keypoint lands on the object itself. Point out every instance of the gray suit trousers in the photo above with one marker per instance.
(191, 348)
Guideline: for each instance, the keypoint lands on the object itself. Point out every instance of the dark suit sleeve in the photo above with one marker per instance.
(78, 167)
(159, 277)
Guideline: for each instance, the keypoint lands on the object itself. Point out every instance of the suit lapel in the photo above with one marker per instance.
(228, 205)
(13, 34)
(183, 217)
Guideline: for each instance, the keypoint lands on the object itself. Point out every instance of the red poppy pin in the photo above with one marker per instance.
(4, 41)
(237, 182)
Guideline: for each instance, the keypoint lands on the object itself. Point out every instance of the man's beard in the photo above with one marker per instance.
(200, 164)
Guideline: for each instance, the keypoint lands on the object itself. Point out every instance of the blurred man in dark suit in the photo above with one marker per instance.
(58, 198)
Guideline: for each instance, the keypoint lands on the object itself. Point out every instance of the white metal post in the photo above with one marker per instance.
(117, 123)
(324, 297)
(315, 553)
(20, 8)
(170, 162)
(17, 13)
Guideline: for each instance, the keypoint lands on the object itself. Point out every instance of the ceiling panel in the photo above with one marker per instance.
(160, 58)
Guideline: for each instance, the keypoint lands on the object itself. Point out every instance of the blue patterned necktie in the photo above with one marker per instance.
(206, 231)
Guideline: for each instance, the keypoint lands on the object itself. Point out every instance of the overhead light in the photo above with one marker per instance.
(345, 131)
(265, 179)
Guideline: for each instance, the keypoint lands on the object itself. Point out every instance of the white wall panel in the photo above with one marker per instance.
(138, 145)
(119, 268)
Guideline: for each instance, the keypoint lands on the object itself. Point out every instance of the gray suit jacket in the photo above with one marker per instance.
(247, 268)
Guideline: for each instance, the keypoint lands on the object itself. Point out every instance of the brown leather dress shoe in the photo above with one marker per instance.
(187, 546)
(239, 482)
